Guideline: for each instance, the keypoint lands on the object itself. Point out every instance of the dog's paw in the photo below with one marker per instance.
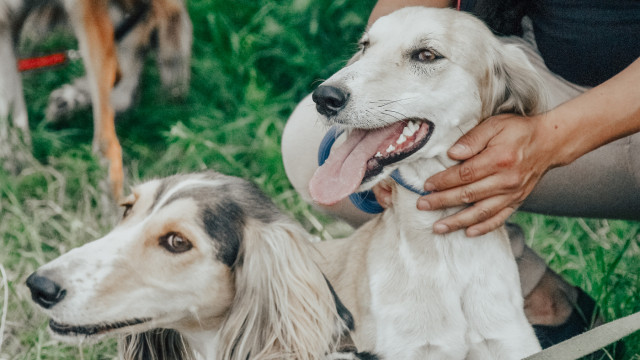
(122, 97)
(174, 75)
(66, 100)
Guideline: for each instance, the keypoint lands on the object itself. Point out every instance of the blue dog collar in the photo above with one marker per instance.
(365, 200)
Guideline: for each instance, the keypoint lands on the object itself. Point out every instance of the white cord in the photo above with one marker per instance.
(5, 305)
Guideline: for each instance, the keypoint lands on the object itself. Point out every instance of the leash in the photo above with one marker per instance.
(366, 200)
(61, 58)
(47, 60)
(590, 341)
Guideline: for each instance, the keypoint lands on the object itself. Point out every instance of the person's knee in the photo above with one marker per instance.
(300, 145)
(531, 266)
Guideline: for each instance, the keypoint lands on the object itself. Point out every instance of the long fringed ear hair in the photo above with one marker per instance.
(512, 85)
(283, 307)
(157, 344)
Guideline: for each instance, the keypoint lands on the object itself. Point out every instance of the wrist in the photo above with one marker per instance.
(556, 140)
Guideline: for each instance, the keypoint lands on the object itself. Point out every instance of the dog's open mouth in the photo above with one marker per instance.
(91, 330)
(364, 154)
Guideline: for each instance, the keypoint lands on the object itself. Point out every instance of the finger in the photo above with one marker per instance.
(478, 213)
(475, 140)
(383, 192)
(486, 188)
(480, 166)
(490, 224)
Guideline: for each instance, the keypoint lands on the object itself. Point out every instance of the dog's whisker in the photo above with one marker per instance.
(394, 114)
(389, 102)
(402, 116)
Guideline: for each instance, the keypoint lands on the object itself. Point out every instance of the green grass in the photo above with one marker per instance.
(251, 64)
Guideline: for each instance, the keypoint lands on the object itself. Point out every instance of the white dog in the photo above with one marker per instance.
(422, 78)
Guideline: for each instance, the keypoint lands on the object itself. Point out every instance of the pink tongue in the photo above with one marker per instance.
(342, 173)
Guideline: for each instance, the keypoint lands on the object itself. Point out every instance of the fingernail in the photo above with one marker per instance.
(473, 232)
(423, 204)
(458, 150)
(440, 228)
(429, 187)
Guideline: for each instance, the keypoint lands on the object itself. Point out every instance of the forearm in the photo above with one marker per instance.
(601, 115)
(504, 157)
(385, 7)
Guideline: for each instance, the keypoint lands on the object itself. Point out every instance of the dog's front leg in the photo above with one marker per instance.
(175, 35)
(14, 140)
(94, 30)
(131, 51)
(12, 102)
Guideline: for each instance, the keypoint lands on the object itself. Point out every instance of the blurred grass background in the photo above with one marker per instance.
(252, 62)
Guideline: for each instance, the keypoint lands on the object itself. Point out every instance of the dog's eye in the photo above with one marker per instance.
(426, 55)
(127, 204)
(175, 243)
(363, 44)
(127, 210)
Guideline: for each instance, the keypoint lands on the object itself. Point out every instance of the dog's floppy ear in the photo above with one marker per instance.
(512, 85)
(283, 307)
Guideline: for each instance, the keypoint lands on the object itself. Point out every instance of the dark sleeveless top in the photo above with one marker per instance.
(584, 41)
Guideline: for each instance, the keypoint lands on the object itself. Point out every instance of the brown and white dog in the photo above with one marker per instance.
(200, 265)
(106, 62)
(422, 78)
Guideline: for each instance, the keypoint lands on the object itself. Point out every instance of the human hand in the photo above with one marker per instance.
(503, 158)
(384, 192)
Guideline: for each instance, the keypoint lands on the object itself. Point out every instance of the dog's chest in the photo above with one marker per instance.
(416, 299)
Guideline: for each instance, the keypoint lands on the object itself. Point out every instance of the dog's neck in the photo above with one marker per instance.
(404, 201)
(203, 342)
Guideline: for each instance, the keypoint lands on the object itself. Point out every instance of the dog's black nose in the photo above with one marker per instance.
(329, 100)
(44, 291)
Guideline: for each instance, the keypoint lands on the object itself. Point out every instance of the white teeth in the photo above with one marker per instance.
(410, 129)
(378, 154)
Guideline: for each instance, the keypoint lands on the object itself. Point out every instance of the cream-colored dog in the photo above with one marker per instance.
(201, 266)
(421, 79)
